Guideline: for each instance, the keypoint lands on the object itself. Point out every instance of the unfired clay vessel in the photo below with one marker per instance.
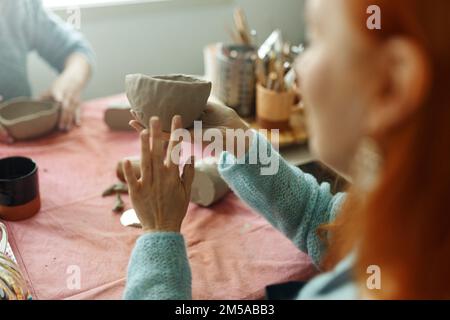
(28, 119)
(167, 96)
(208, 186)
(118, 116)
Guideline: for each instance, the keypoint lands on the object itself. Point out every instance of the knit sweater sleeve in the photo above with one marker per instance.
(159, 269)
(291, 200)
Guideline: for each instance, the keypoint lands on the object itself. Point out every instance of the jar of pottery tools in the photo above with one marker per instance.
(12, 284)
(235, 78)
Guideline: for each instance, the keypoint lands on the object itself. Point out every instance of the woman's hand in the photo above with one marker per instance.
(160, 196)
(219, 116)
(216, 116)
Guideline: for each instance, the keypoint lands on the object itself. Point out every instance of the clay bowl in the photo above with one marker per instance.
(167, 96)
(118, 116)
(28, 119)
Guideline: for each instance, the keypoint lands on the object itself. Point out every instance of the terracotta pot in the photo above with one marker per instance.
(27, 119)
(167, 96)
(19, 189)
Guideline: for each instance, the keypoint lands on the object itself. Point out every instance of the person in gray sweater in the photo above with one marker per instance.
(26, 26)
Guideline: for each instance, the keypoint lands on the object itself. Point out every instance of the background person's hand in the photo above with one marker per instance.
(67, 88)
(160, 196)
(67, 93)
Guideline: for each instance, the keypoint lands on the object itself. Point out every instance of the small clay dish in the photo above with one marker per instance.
(28, 119)
(167, 96)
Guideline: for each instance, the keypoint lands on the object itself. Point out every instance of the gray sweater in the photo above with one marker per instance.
(25, 26)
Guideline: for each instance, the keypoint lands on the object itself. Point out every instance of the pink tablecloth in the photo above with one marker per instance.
(234, 253)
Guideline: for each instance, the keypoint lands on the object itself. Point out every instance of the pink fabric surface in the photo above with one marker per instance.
(234, 253)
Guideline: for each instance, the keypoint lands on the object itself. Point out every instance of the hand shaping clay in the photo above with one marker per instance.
(208, 186)
(118, 116)
(167, 96)
(27, 119)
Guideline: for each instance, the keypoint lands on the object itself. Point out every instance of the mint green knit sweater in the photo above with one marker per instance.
(290, 200)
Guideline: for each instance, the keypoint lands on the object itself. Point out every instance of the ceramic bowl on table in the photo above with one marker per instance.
(26, 119)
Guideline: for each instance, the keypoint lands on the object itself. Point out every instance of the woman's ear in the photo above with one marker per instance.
(403, 84)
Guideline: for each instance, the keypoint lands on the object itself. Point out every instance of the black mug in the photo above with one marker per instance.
(19, 189)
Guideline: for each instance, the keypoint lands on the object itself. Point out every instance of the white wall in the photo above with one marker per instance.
(168, 37)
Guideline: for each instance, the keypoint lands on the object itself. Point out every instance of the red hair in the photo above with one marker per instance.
(404, 225)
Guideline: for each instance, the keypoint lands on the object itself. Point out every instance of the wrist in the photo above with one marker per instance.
(77, 70)
(73, 80)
